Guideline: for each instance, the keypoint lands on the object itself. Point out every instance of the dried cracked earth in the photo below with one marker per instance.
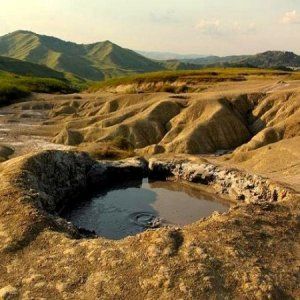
(238, 140)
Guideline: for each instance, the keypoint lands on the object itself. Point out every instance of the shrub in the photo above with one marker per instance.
(105, 150)
(9, 93)
(182, 89)
(16, 87)
(47, 85)
(168, 89)
(122, 143)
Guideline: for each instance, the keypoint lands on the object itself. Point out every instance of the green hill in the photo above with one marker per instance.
(93, 61)
(19, 78)
(273, 59)
(104, 60)
(20, 67)
(268, 59)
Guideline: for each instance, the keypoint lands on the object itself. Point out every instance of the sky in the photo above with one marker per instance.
(208, 27)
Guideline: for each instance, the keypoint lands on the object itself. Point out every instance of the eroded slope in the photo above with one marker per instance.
(196, 123)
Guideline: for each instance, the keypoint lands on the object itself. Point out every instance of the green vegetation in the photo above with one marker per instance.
(108, 150)
(19, 78)
(20, 67)
(13, 87)
(96, 61)
(10, 92)
(104, 60)
(191, 76)
(268, 59)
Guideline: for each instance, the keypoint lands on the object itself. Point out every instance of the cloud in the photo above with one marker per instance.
(290, 17)
(218, 27)
(163, 17)
(209, 26)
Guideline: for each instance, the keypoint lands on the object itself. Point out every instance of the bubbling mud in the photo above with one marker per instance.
(137, 205)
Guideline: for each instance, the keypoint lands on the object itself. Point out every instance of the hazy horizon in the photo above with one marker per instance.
(194, 27)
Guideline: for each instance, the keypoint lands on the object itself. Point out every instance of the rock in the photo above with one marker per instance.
(56, 176)
(8, 293)
(86, 232)
(97, 174)
(235, 183)
(159, 169)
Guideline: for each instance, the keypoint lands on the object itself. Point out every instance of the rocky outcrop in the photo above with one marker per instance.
(58, 178)
(55, 177)
(233, 183)
(106, 172)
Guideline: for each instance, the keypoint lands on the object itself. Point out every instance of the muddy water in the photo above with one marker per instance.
(132, 208)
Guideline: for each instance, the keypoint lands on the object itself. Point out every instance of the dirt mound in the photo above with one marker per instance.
(68, 137)
(276, 117)
(280, 161)
(225, 256)
(247, 117)
(206, 126)
(195, 125)
(64, 110)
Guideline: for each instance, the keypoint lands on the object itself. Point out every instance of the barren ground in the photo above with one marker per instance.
(246, 133)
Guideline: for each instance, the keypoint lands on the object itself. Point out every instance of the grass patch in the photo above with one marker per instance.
(14, 87)
(117, 148)
(105, 150)
(193, 76)
(122, 143)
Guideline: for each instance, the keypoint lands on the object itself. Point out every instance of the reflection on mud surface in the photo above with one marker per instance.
(135, 206)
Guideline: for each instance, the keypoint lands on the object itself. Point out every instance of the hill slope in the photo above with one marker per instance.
(268, 59)
(20, 67)
(271, 59)
(93, 61)
(19, 78)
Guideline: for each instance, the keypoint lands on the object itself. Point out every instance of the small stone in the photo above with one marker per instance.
(8, 292)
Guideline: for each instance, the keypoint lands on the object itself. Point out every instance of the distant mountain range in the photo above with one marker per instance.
(268, 59)
(157, 55)
(46, 56)
(92, 61)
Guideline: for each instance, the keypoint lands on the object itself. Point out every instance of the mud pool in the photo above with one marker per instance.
(138, 205)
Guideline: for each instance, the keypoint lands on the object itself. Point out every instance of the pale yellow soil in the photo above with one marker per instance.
(251, 252)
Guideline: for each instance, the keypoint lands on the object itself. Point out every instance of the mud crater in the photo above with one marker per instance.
(72, 177)
(137, 205)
